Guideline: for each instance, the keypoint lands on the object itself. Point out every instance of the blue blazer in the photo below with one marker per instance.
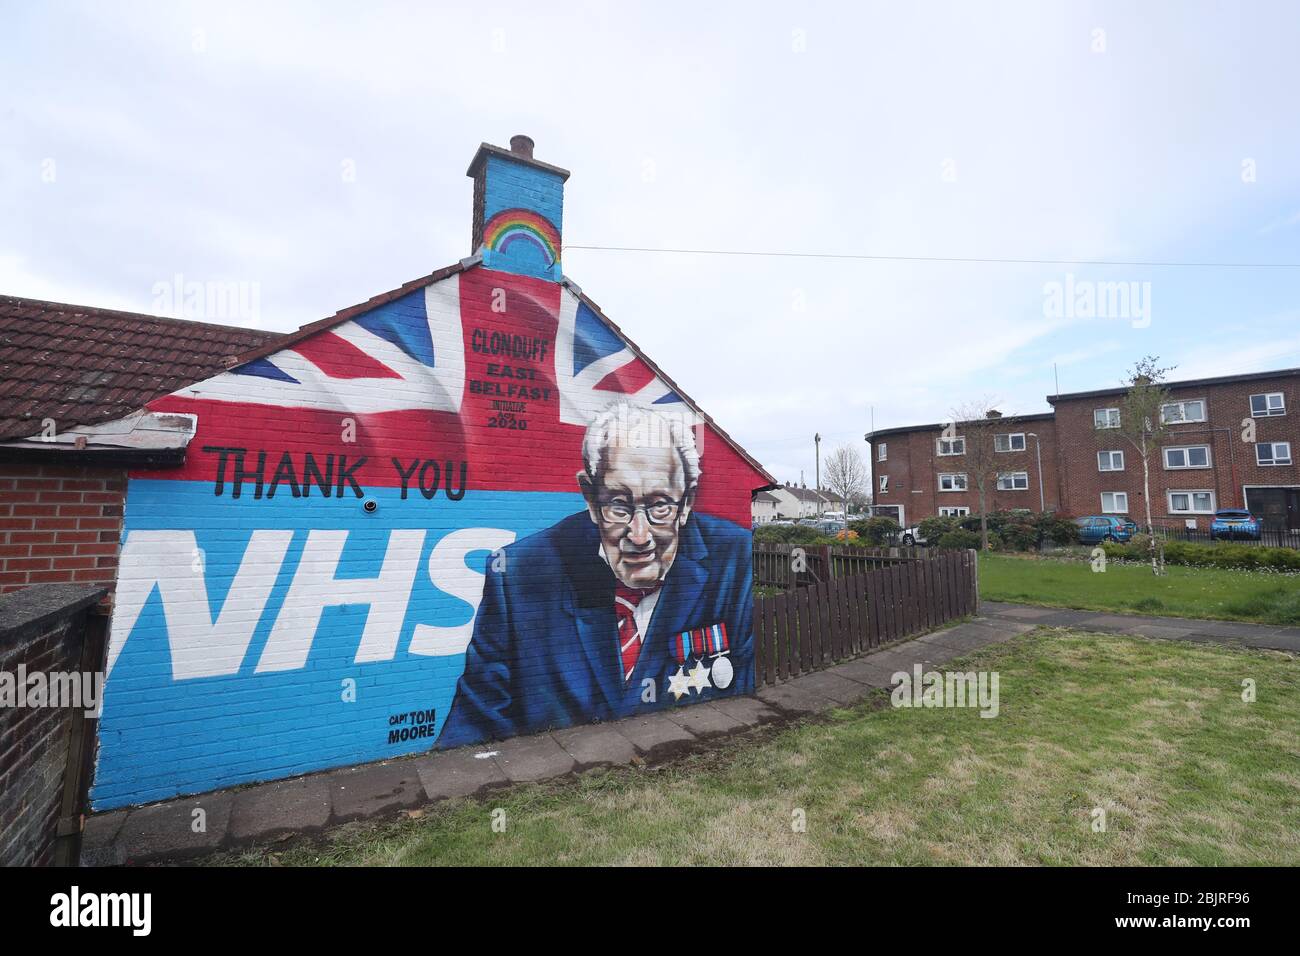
(545, 648)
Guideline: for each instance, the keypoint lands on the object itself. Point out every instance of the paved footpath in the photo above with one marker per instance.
(263, 812)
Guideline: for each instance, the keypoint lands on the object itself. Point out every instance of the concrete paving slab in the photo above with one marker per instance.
(904, 658)
(528, 759)
(360, 792)
(830, 685)
(98, 837)
(1022, 613)
(595, 745)
(655, 736)
(268, 810)
(458, 773)
(1108, 622)
(1161, 631)
(750, 711)
(176, 828)
(867, 671)
(705, 721)
(792, 700)
(968, 637)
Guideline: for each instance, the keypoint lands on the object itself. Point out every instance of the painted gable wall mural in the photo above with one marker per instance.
(468, 512)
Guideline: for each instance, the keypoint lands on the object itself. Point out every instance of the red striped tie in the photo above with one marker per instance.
(629, 640)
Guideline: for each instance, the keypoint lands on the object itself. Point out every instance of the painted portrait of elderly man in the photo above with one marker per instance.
(637, 602)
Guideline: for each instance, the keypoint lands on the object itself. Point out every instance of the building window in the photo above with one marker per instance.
(1105, 418)
(1273, 453)
(884, 484)
(1189, 456)
(1013, 481)
(1268, 404)
(1176, 413)
(957, 511)
(951, 446)
(1013, 442)
(1191, 502)
(952, 482)
(1110, 461)
(882, 452)
(1114, 502)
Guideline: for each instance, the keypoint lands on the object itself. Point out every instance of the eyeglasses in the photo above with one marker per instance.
(659, 512)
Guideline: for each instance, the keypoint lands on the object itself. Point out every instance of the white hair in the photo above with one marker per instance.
(624, 423)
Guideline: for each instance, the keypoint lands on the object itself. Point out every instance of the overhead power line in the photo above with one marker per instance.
(1151, 263)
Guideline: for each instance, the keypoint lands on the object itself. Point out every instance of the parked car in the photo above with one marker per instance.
(1230, 523)
(912, 536)
(1093, 529)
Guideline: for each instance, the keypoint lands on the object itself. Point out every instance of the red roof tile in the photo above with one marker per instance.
(81, 365)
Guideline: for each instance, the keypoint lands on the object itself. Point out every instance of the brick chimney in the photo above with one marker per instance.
(518, 209)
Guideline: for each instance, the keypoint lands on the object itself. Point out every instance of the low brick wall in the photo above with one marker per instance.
(59, 524)
(42, 629)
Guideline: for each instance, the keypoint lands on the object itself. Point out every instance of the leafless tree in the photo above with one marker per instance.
(1143, 427)
(846, 475)
(978, 423)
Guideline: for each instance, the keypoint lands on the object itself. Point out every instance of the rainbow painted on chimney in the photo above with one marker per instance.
(518, 210)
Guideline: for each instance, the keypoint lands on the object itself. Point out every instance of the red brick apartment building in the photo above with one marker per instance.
(1208, 461)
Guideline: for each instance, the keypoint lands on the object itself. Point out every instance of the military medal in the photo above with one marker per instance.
(699, 643)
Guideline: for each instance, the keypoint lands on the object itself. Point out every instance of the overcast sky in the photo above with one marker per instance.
(319, 151)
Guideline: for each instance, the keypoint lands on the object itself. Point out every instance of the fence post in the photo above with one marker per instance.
(829, 562)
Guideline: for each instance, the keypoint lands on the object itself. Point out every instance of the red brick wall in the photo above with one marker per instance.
(59, 524)
(1232, 459)
(914, 468)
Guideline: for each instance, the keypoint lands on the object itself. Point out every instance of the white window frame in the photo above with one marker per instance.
(1185, 449)
(1109, 417)
(1014, 476)
(882, 451)
(952, 444)
(1181, 405)
(1269, 411)
(954, 511)
(1115, 496)
(954, 475)
(1110, 457)
(1274, 459)
(1011, 445)
(884, 484)
(1191, 494)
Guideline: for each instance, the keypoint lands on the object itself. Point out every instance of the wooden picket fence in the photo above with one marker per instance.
(811, 627)
(775, 565)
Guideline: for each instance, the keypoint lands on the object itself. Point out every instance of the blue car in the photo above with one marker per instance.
(1094, 529)
(1230, 523)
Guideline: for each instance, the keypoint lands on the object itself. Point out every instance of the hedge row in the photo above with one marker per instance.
(1239, 556)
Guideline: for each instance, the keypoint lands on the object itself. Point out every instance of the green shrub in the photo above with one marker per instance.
(790, 534)
(960, 539)
(932, 529)
(1058, 529)
(1232, 556)
(1018, 536)
(875, 531)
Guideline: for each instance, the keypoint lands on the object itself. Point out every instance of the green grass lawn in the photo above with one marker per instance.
(1268, 598)
(1153, 732)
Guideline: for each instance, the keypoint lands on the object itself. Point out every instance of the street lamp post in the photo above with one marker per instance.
(1038, 456)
